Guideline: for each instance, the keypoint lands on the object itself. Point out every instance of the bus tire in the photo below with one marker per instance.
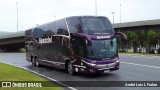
(70, 68)
(33, 61)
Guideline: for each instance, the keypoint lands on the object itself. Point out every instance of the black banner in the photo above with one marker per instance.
(80, 84)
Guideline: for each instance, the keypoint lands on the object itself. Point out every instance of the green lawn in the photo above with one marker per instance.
(12, 73)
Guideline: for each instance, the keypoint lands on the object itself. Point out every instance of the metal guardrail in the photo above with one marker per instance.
(12, 35)
(137, 23)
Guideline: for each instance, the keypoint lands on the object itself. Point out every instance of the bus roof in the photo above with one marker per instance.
(64, 18)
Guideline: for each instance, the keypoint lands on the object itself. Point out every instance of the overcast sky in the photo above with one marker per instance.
(32, 12)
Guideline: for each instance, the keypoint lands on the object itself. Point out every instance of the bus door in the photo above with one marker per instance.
(79, 47)
(58, 51)
(43, 47)
(53, 50)
(43, 51)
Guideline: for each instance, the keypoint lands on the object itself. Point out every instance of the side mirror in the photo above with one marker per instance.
(89, 40)
(122, 34)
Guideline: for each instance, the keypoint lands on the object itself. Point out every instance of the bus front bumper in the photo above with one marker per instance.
(98, 68)
(105, 67)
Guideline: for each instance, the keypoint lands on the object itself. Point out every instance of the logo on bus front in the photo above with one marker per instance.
(103, 37)
(45, 40)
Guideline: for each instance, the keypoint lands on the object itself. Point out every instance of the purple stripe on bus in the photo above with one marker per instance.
(99, 61)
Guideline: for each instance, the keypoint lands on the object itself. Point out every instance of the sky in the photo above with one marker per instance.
(33, 12)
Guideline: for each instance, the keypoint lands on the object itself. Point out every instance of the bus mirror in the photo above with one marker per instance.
(124, 35)
(89, 43)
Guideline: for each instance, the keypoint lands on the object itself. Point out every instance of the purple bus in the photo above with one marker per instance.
(84, 44)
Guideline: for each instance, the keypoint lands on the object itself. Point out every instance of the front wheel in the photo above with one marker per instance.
(70, 68)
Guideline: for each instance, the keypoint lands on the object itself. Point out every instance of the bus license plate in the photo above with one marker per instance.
(106, 71)
(110, 65)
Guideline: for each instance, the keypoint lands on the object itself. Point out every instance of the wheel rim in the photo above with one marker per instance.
(37, 64)
(70, 69)
(33, 62)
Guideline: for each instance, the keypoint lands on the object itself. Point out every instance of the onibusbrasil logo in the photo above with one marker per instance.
(21, 84)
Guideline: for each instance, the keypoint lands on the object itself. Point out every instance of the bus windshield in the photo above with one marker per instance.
(102, 49)
(92, 25)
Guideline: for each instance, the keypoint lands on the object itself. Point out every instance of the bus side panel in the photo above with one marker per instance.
(28, 44)
(59, 51)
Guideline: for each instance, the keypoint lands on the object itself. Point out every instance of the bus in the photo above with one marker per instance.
(83, 44)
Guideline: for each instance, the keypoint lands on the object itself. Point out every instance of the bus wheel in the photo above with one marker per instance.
(70, 68)
(33, 61)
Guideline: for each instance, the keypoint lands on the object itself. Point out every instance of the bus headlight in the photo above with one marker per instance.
(90, 64)
(115, 59)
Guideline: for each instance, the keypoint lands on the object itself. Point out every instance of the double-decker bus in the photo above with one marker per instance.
(85, 44)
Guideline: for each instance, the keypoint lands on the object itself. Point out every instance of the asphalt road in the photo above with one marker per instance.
(132, 68)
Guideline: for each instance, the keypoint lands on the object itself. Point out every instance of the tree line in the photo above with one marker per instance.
(140, 41)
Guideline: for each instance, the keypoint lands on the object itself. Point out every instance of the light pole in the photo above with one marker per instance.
(120, 12)
(96, 7)
(17, 14)
(55, 18)
(113, 16)
(22, 28)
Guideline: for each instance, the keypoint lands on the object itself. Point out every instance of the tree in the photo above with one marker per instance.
(152, 39)
(132, 40)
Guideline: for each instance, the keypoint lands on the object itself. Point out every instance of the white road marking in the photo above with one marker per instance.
(140, 65)
(149, 57)
(42, 76)
(138, 55)
(142, 55)
(154, 56)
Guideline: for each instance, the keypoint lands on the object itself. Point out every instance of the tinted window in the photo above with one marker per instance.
(74, 25)
(43, 27)
(38, 32)
(96, 25)
(52, 27)
(61, 27)
(102, 49)
(28, 33)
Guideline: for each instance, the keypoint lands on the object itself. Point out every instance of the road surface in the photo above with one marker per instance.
(132, 68)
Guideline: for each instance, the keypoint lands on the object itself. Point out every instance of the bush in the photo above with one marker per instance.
(151, 51)
(22, 50)
(158, 50)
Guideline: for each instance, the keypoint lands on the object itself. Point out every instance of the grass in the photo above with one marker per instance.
(12, 73)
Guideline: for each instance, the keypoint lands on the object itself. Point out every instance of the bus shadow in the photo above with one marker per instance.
(93, 76)
(43, 69)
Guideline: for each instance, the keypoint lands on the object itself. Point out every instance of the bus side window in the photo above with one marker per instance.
(38, 32)
(74, 25)
(62, 31)
(51, 27)
(62, 28)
